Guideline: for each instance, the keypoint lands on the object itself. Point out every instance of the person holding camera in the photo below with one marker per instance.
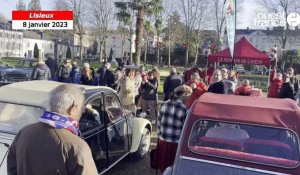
(149, 95)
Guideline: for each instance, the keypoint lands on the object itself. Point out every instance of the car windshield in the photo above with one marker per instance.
(14, 117)
(251, 143)
(25, 63)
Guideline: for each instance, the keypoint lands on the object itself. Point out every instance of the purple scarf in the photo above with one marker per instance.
(60, 122)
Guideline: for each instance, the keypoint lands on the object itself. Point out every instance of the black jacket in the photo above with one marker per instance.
(52, 64)
(41, 72)
(171, 82)
(150, 90)
(218, 88)
(85, 80)
(286, 91)
(107, 78)
(295, 83)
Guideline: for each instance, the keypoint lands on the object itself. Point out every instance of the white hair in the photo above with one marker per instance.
(173, 70)
(64, 96)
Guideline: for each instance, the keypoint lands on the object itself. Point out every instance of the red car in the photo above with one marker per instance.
(230, 135)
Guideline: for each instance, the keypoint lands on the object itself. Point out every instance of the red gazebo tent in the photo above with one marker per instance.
(244, 53)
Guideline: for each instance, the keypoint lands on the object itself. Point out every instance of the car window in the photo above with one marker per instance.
(251, 143)
(91, 118)
(113, 108)
(14, 117)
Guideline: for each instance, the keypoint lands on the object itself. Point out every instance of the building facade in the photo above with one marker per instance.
(264, 40)
(11, 43)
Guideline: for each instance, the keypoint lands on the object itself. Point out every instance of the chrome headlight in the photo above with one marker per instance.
(2, 75)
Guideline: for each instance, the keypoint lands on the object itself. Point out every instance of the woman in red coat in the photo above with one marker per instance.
(276, 83)
(198, 87)
(244, 89)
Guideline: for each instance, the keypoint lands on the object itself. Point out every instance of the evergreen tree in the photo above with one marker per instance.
(69, 54)
(36, 51)
(21, 5)
(34, 5)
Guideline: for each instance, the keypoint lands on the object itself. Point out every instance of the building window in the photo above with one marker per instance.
(51, 46)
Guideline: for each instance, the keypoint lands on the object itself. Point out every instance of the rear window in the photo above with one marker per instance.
(251, 143)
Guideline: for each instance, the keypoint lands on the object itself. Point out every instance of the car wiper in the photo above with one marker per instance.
(5, 144)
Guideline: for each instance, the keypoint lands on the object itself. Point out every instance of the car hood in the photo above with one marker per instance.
(5, 142)
(23, 70)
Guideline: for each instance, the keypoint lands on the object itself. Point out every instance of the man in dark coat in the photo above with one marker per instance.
(52, 64)
(52, 145)
(293, 80)
(107, 77)
(171, 82)
(41, 71)
(217, 86)
(287, 88)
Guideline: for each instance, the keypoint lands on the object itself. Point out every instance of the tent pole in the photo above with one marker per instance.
(269, 79)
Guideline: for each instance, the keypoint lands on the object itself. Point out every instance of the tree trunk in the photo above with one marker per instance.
(139, 34)
(81, 48)
(145, 53)
(130, 52)
(169, 53)
(158, 46)
(197, 52)
(104, 50)
(123, 47)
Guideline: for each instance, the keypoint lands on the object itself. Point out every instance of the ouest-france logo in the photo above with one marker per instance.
(276, 20)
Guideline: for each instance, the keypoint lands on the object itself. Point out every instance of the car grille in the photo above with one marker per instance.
(15, 79)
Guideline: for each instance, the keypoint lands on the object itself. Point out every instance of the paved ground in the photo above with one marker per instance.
(142, 167)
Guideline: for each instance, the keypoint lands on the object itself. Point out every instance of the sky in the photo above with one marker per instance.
(244, 17)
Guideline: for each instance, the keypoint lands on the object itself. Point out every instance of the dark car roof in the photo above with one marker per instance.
(253, 110)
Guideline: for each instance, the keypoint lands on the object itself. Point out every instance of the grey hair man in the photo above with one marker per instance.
(52, 146)
(172, 81)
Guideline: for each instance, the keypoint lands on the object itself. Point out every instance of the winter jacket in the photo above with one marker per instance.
(243, 90)
(218, 88)
(286, 91)
(295, 83)
(171, 82)
(107, 78)
(64, 73)
(127, 91)
(74, 72)
(274, 88)
(86, 81)
(41, 72)
(197, 92)
(52, 64)
(150, 90)
(40, 149)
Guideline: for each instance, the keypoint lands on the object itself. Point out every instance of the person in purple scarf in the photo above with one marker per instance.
(53, 146)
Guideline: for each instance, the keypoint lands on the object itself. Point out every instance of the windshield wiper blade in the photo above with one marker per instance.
(5, 144)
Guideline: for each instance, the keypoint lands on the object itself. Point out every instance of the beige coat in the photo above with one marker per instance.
(40, 149)
(127, 93)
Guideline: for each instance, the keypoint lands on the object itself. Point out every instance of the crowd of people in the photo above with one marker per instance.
(138, 89)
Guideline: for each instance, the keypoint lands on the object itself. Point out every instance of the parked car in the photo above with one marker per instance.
(240, 70)
(112, 133)
(233, 135)
(21, 72)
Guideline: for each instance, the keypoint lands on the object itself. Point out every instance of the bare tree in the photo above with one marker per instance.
(218, 8)
(191, 11)
(286, 6)
(100, 17)
(203, 22)
(79, 10)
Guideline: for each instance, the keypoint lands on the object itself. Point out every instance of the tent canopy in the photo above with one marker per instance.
(244, 53)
